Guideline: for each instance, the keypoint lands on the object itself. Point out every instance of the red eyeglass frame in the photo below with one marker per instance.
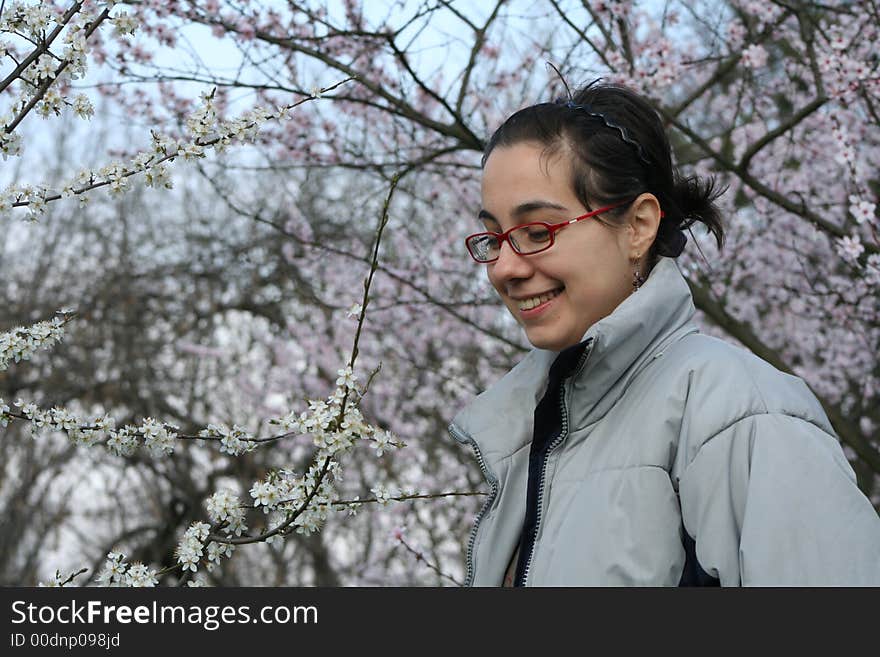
(553, 228)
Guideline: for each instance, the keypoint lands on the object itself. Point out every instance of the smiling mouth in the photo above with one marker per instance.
(534, 302)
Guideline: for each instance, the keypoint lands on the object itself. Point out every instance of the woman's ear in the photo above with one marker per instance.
(643, 224)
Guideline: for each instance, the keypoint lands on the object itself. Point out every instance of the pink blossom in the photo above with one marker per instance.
(850, 248)
(491, 51)
(198, 350)
(827, 62)
(755, 56)
(838, 42)
(861, 211)
(246, 29)
(736, 34)
(165, 35)
(872, 270)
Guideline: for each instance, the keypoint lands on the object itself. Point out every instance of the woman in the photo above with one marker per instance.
(627, 448)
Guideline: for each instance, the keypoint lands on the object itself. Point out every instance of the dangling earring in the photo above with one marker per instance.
(638, 279)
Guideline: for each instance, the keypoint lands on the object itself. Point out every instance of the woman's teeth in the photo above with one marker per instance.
(534, 302)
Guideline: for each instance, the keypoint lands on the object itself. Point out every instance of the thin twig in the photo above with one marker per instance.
(421, 557)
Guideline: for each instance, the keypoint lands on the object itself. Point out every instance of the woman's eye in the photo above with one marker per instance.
(538, 233)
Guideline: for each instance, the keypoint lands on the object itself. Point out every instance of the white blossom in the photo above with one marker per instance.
(192, 151)
(84, 177)
(124, 23)
(199, 530)
(265, 494)
(82, 106)
(75, 41)
(36, 202)
(163, 145)
(383, 494)
(123, 442)
(140, 161)
(217, 551)
(52, 583)
(224, 506)
(105, 423)
(190, 549)
(51, 104)
(236, 524)
(115, 571)
(203, 124)
(383, 441)
(37, 18)
(221, 504)
(10, 143)
(188, 557)
(157, 438)
(157, 176)
(22, 342)
(117, 177)
(235, 441)
(44, 67)
(28, 409)
(140, 575)
(309, 521)
(346, 377)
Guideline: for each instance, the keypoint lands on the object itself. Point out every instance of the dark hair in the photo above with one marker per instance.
(618, 150)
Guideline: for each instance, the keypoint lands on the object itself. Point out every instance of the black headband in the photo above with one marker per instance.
(611, 123)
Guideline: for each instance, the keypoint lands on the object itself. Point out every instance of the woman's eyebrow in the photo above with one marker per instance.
(483, 215)
(523, 209)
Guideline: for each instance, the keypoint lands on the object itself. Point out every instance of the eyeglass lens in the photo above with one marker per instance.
(526, 239)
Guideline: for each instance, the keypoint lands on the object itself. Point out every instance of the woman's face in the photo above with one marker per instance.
(556, 295)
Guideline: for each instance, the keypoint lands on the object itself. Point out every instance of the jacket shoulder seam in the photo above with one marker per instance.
(765, 412)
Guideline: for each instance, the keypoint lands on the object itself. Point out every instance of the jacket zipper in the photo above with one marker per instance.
(563, 434)
(493, 483)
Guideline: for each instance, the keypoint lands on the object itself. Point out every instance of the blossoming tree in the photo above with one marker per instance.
(777, 99)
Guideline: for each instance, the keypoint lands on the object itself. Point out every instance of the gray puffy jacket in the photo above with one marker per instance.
(669, 438)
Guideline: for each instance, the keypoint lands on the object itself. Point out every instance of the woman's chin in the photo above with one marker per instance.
(550, 341)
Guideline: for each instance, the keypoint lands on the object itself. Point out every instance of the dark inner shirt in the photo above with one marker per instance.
(548, 425)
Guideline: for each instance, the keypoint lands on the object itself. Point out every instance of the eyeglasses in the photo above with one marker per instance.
(526, 239)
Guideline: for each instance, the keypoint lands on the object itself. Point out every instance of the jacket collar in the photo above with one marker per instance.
(628, 339)
(618, 347)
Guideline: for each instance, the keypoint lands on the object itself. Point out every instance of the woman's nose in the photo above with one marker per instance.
(510, 264)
